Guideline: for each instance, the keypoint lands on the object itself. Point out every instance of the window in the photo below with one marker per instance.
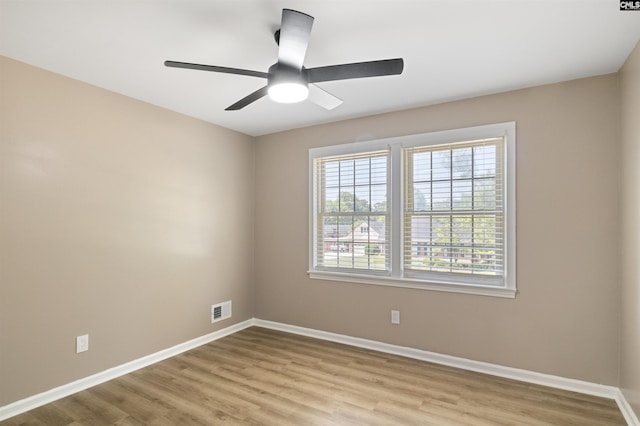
(352, 215)
(454, 212)
(433, 211)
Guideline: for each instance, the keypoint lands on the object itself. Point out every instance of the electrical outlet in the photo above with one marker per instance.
(395, 317)
(82, 343)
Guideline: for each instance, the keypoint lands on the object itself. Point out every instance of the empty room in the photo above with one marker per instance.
(260, 212)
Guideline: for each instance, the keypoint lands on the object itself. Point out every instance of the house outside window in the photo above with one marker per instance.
(433, 211)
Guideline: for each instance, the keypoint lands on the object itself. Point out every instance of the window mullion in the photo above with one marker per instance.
(396, 216)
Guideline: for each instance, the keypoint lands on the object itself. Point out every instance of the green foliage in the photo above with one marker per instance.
(349, 203)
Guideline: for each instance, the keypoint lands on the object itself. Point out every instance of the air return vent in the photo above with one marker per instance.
(221, 311)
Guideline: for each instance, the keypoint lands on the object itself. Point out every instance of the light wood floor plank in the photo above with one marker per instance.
(266, 377)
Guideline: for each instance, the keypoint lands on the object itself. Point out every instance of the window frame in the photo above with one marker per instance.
(396, 189)
(368, 154)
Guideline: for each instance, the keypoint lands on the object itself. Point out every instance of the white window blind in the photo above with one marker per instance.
(454, 212)
(352, 215)
(434, 211)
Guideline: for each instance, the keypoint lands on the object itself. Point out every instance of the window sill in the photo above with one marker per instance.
(479, 290)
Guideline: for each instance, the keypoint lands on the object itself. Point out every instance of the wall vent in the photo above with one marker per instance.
(221, 311)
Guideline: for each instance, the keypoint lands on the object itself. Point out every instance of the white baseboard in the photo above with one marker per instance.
(588, 388)
(627, 411)
(573, 385)
(54, 394)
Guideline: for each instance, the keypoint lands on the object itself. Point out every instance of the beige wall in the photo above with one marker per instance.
(126, 221)
(565, 319)
(630, 324)
(117, 219)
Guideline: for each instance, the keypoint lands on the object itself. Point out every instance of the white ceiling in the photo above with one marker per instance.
(452, 49)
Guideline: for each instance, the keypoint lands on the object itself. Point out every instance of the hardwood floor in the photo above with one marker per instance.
(265, 377)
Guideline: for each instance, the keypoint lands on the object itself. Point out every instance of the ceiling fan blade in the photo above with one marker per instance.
(214, 68)
(323, 98)
(295, 31)
(248, 99)
(355, 70)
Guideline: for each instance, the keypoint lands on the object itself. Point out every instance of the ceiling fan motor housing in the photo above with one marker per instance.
(281, 73)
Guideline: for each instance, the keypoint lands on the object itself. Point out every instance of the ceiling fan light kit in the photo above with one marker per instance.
(288, 93)
(287, 85)
(288, 80)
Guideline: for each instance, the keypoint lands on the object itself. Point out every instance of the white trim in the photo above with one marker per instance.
(510, 196)
(408, 141)
(478, 290)
(59, 392)
(396, 201)
(627, 411)
(527, 376)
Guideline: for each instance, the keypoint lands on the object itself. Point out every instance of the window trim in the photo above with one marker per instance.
(385, 151)
(396, 278)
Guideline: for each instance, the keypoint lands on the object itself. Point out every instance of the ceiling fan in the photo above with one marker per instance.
(288, 81)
